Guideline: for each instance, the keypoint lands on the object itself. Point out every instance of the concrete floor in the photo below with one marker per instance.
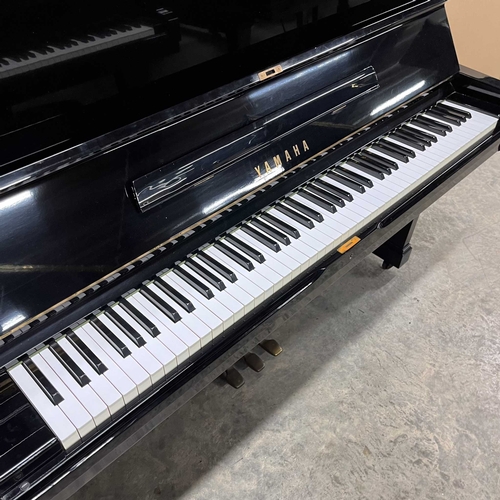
(388, 386)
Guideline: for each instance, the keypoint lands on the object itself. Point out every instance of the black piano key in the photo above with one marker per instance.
(176, 296)
(378, 160)
(195, 283)
(74, 370)
(233, 255)
(414, 136)
(399, 148)
(427, 143)
(363, 166)
(326, 194)
(50, 50)
(304, 209)
(454, 111)
(40, 50)
(409, 141)
(429, 126)
(110, 337)
(341, 193)
(202, 271)
(317, 200)
(145, 322)
(296, 216)
(16, 58)
(127, 329)
(42, 382)
(271, 231)
(418, 133)
(262, 238)
(446, 117)
(245, 248)
(353, 176)
(281, 225)
(165, 308)
(383, 148)
(443, 126)
(218, 267)
(86, 353)
(4, 62)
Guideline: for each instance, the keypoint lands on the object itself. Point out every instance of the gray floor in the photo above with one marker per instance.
(388, 386)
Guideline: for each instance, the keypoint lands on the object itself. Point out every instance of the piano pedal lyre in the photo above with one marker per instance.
(271, 346)
(254, 362)
(233, 377)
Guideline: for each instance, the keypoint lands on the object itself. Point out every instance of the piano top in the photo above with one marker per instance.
(65, 231)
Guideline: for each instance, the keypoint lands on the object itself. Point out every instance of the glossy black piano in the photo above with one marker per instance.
(173, 173)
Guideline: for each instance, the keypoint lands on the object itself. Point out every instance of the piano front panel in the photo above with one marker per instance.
(86, 215)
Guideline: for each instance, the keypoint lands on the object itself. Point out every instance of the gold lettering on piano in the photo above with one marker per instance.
(270, 166)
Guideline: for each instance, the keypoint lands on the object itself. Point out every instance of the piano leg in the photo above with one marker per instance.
(396, 250)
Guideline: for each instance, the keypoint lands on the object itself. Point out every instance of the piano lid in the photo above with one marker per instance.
(70, 71)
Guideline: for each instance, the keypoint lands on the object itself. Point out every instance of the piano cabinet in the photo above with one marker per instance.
(139, 260)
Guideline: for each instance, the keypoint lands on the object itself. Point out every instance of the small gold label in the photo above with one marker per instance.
(349, 244)
(268, 73)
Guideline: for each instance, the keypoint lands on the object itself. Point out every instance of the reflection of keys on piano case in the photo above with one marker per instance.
(11, 65)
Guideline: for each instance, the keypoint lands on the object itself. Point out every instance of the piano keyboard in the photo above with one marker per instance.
(75, 47)
(87, 376)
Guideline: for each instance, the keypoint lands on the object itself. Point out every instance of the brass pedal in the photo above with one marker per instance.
(233, 377)
(271, 346)
(254, 362)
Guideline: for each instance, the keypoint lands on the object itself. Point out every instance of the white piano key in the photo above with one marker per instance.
(236, 308)
(86, 395)
(114, 373)
(257, 287)
(53, 416)
(213, 305)
(205, 314)
(264, 271)
(233, 289)
(191, 320)
(276, 261)
(184, 334)
(135, 372)
(162, 353)
(141, 355)
(285, 260)
(77, 414)
(166, 336)
(99, 383)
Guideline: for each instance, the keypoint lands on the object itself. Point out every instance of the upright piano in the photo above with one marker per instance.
(172, 173)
